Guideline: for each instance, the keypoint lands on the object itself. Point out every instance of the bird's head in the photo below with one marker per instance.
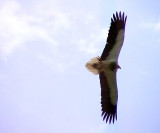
(117, 66)
(114, 66)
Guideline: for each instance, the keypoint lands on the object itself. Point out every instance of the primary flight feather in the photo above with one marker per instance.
(106, 66)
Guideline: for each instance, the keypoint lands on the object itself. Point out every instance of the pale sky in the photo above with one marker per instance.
(44, 85)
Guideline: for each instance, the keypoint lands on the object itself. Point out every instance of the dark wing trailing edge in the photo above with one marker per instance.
(109, 111)
(111, 52)
(117, 23)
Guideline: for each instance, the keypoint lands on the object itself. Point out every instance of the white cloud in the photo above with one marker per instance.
(51, 24)
(157, 26)
(91, 44)
(151, 25)
(45, 22)
(17, 27)
(54, 65)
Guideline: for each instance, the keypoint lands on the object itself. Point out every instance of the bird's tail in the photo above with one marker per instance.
(94, 65)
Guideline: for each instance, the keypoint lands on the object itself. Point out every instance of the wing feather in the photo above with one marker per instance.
(109, 96)
(115, 37)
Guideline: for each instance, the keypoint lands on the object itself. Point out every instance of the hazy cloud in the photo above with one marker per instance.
(153, 25)
(47, 23)
(90, 45)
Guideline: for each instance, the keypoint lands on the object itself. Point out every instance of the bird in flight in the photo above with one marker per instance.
(106, 66)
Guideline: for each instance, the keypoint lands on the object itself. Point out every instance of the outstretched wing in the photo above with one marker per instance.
(115, 37)
(109, 96)
(109, 92)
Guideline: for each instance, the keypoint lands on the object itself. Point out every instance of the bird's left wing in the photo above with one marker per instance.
(115, 37)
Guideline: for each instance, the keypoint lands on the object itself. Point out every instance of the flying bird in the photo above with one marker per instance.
(106, 66)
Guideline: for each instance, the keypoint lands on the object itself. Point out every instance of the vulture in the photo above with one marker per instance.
(106, 66)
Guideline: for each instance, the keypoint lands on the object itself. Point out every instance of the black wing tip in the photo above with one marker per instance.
(118, 16)
(109, 117)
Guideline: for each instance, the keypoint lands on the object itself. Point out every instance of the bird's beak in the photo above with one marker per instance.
(118, 67)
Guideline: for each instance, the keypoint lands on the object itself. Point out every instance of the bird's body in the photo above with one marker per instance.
(106, 66)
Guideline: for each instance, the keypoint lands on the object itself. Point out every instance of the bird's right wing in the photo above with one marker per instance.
(109, 95)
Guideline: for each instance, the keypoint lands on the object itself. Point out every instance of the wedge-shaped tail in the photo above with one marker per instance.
(94, 65)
